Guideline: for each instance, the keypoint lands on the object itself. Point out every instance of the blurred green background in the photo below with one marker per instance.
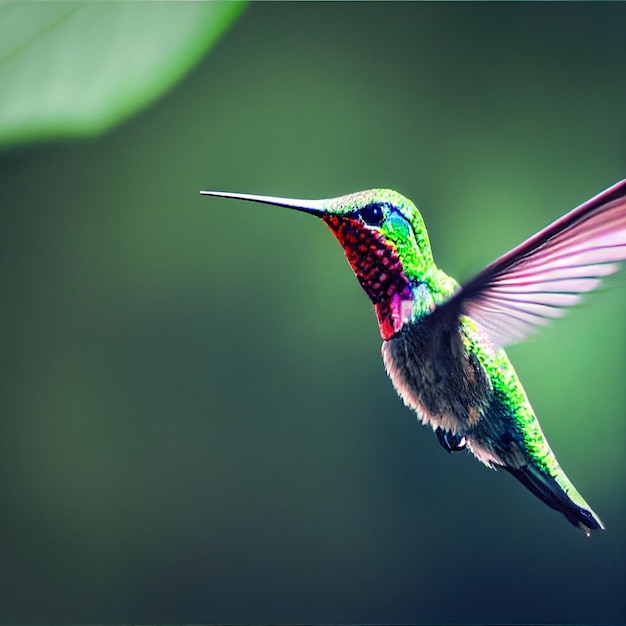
(196, 425)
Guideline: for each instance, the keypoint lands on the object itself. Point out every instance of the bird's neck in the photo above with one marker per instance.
(417, 298)
(397, 284)
(402, 308)
(397, 298)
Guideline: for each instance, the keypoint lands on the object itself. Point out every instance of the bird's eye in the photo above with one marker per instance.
(372, 214)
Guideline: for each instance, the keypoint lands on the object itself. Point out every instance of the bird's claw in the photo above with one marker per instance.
(450, 442)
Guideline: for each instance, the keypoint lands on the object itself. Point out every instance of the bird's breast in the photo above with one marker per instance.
(436, 375)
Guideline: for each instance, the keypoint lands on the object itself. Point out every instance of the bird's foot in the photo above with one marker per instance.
(450, 442)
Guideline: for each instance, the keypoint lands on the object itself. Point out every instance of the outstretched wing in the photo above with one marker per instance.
(531, 284)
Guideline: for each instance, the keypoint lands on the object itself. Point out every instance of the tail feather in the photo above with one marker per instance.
(548, 490)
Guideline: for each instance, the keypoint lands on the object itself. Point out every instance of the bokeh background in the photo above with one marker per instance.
(196, 425)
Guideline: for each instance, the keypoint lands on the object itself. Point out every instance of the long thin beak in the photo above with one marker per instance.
(316, 207)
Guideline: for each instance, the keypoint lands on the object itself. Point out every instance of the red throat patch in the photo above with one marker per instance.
(378, 268)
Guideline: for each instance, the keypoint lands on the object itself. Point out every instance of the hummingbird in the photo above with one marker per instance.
(443, 343)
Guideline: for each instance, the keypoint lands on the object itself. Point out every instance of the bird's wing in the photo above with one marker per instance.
(530, 285)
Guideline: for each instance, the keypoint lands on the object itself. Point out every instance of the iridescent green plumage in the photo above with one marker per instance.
(443, 344)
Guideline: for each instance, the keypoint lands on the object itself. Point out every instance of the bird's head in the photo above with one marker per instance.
(382, 234)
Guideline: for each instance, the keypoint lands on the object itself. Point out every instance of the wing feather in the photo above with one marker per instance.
(527, 287)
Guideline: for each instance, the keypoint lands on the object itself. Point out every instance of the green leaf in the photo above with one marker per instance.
(78, 68)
